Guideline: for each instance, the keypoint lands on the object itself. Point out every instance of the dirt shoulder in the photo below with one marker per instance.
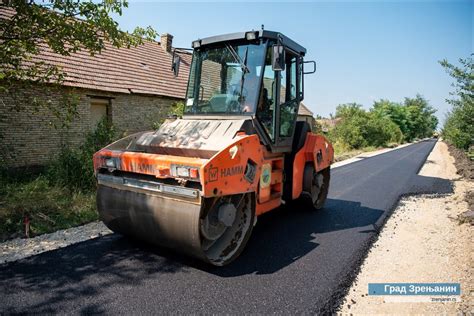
(422, 242)
(465, 168)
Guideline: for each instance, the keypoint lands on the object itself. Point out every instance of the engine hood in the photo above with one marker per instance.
(185, 137)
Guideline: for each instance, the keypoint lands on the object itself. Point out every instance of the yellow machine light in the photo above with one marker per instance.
(196, 44)
(251, 36)
(110, 163)
(182, 172)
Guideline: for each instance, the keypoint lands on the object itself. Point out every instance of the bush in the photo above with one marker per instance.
(59, 198)
(349, 132)
(414, 117)
(359, 129)
(381, 130)
(176, 110)
(48, 207)
(458, 128)
(73, 168)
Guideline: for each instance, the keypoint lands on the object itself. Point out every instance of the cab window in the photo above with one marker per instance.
(288, 96)
(266, 102)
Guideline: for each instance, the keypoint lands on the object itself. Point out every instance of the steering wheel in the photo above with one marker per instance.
(204, 107)
(233, 107)
(235, 88)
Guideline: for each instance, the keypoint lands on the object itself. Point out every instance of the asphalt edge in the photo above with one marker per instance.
(334, 304)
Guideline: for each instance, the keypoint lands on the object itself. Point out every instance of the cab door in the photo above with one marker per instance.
(288, 101)
(278, 103)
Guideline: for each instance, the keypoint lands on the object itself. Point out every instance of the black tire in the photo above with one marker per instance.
(315, 186)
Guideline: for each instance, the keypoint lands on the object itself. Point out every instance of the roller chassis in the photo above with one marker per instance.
(198, 184)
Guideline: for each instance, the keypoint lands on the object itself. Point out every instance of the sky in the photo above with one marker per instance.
(365, 50)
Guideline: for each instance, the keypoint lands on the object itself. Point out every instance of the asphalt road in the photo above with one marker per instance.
(296, 261)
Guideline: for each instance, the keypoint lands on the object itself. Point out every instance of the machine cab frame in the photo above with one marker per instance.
(234, 76)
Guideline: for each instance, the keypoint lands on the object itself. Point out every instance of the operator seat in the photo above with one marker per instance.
(302, 128)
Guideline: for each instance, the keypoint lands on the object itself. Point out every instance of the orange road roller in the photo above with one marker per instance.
(198, 183)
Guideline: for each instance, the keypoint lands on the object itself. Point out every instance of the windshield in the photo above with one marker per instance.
(225, 79)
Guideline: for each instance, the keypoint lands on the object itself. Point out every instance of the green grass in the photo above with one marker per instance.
(49, 207)
(342, 152)
(59, 196)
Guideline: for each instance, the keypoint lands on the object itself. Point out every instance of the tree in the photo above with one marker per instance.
(359, 128)
(63, 26)
(415, 117)
(349, 110)
(395, 111)
(459, 124)
(420, 118)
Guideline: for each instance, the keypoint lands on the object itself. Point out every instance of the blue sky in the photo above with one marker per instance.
(365, 50)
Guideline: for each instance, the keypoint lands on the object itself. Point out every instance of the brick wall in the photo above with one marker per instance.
(28, 138)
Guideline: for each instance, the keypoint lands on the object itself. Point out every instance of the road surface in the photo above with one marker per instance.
(296, 261)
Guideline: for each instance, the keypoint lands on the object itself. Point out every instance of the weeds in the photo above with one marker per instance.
(73, 167)
(47, 207)
(60, 197)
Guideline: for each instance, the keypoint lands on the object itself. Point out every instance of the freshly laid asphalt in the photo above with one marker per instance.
(296, 261)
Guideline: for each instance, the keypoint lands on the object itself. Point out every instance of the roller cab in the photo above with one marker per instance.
(198, 183)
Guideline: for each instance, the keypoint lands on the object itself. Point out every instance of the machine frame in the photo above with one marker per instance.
(198, 183)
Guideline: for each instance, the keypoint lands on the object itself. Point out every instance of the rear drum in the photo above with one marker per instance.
(315, 186)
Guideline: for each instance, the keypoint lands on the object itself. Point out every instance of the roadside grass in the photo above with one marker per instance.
(59, 196)
(343, 152)
(48, 207)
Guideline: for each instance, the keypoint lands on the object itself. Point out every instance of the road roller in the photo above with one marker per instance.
(198, 183)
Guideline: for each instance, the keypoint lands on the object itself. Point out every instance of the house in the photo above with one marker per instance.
(328, 124)
(134, 88)
(305, 114)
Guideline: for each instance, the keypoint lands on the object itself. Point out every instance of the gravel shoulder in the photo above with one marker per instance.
(20, 248)
(422, 242)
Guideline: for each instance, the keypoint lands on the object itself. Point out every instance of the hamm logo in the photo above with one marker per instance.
(232, 171)
(142, 168)
(213, 174)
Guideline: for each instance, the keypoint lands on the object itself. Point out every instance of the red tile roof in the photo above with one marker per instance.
(303, 110)
(328, 122)
(145, 69)
(6, 13)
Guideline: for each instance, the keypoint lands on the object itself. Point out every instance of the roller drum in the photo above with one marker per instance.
(214, 230)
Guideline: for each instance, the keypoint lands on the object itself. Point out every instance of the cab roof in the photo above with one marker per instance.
(286, 41)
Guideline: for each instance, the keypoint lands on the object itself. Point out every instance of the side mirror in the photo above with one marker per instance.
(175, 64)
(278, 58)
(312, 62)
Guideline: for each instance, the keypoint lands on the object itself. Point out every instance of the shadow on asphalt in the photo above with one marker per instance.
(78, 272)
(86, 269)
(429, 185)
(289, 233)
